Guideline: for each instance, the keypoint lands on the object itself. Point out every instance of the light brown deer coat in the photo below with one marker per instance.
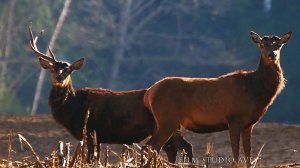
(235, 101)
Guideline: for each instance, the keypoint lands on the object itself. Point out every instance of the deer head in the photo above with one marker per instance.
(270, 46)
(60, 70)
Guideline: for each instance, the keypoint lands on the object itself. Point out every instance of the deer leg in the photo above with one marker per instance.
(182, 144)
(246, 138)
(177, 143)
(159, 138)
(162, 134)
(90, 149)
(234, 131)
(157, 141)
(170, 150)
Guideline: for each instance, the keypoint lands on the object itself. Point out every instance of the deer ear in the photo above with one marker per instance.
(45, 64)
(77, 64)
(286, 37)
(255, 37)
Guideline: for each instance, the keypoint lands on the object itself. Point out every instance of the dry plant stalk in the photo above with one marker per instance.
(114, 153)
(135, 155)
(96, 152)
(183, 155)
(67, 151)
(150, 155)
(209, 149)
(77, 156)
(123, 159)
(61, 157)
(142, 154)
(9, 158)
(155, 160)
(84, 137)
(53, 158)
(133, 152)
(255, 161)
(32, 150)
(106, 157)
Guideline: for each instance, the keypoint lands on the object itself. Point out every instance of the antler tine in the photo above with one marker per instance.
(31, 35)
(51, 54)
(35, 49)
(32, 39)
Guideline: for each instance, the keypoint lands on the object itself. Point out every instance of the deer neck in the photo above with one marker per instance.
(60, 94)
(269, 81)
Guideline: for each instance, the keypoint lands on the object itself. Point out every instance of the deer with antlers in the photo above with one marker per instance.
(118, 117)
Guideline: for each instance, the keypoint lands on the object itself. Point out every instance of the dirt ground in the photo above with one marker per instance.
(282, 142)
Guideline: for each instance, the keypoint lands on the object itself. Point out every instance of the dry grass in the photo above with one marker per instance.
(130, 157)
(75, 155)
(135, 156)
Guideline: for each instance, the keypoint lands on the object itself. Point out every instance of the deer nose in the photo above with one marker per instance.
(272, 54)
(59, 78)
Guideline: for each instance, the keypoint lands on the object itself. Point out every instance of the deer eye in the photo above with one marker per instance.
(261, 45)
(67, 69)
(278, 46)
(52, 70)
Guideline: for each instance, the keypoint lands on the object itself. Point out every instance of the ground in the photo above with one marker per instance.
(282, 142)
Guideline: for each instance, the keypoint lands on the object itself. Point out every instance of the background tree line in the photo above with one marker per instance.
(131, 44)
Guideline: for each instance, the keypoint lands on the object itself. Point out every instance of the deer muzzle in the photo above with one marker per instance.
(272, 55)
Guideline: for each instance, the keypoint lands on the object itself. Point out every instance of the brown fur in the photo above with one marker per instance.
(118, 117)
(235, 101)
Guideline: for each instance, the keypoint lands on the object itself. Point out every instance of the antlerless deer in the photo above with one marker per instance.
(235, 101)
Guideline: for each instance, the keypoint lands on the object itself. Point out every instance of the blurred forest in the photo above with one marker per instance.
(131, 44)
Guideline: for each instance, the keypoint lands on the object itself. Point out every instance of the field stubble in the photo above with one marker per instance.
(282, 142)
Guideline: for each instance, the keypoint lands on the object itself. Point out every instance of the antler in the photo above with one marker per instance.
(33, 46)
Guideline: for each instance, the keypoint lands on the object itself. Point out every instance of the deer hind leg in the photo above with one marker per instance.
(246, 138)
(178, 143)
(162, 133)
(90, 148)
(170, 150)
(234, 131)
(182, 144)
(159, 138)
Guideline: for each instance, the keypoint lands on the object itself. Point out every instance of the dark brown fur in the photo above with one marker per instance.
(118, 117)
(235, 101)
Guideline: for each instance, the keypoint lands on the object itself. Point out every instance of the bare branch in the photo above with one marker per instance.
(145, 20)
(142, 8)
(118, 56)
(137, 5)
